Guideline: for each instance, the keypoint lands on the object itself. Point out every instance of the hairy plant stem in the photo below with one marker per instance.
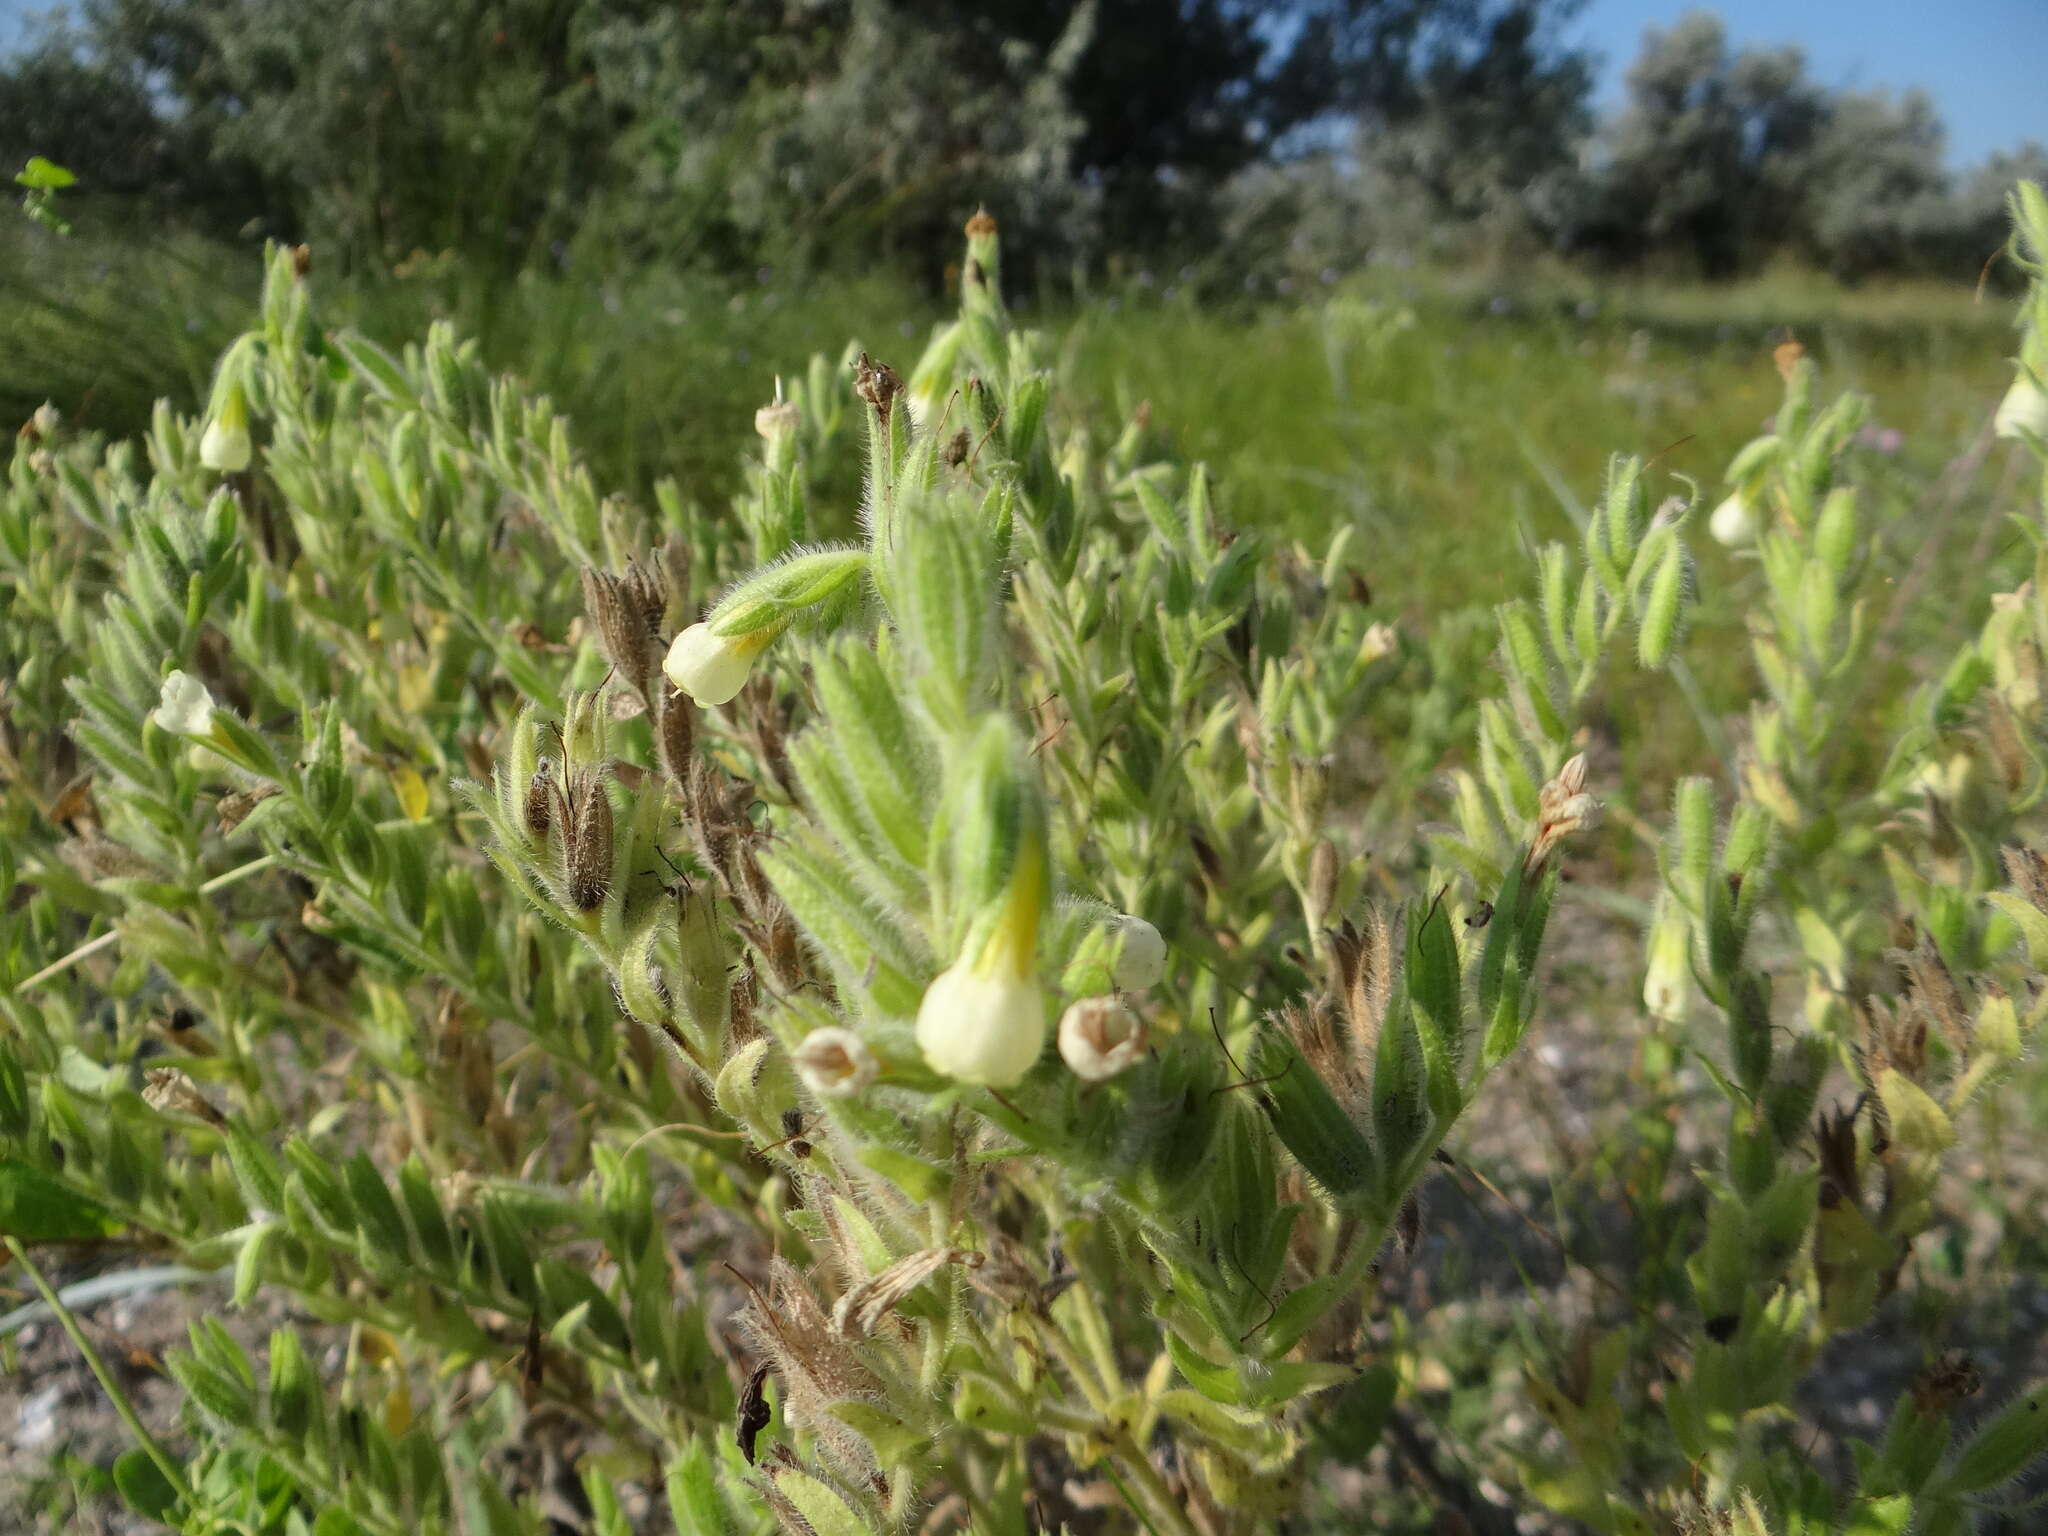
(1160, 1505)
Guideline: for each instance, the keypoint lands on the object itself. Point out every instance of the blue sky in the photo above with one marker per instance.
(1985, 62)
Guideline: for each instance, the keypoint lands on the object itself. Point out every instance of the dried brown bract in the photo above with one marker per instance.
(587, 840)
(1562, 808)
(169, 1091)
(876, 383)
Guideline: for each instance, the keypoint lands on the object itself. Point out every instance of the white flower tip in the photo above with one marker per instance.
(1141, 959)
(186, 708)
(981, 1029)
(1100, 1037)
(2024, 410)
(225, 449)
(710, 668)
(1733, 522)
(835, 1063)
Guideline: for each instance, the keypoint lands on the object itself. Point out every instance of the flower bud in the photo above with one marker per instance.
(712, 668)
(1100, 1037)
(225, 445)
(1141, 955)
(2023, 411)
(1734, 520)
(186, 708)
(835, 1063)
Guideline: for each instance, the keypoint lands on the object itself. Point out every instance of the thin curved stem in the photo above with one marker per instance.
(174, 1473)
(111, 936)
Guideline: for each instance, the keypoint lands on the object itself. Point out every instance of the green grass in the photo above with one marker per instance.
(1455, 417)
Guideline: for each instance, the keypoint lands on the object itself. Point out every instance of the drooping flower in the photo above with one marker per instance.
(225, 446)
(712, 668)
(1100, 1037)
(186, 708)
(2023, 411)
(1734, 520)
(984, 1027)
(1667, 986)
(835, 1063)
(982, 1019)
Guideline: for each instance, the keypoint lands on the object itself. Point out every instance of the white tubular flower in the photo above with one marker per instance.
(1667, 988)
(225, 446)
(711, 668)
(982, 1026)
(1734, 521)
(186, 708)
(983, 1019)
(1141, 957)
(2024, 410)
(1100, 1037)
(835, 1063)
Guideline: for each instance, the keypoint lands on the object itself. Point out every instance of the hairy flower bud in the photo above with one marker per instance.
(1141, 955)
(835, 1063)
(619, 611)
(538, 806)
(1100, 1037)
(588, 840)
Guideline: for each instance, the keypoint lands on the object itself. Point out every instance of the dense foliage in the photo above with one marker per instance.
(923, 1014)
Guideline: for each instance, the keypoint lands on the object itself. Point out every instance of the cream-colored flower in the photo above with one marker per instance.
(1381, 640)
(2024, 410)
(712, 668)
(1734, 521)
(982, 1020)
(1141, 955)
(186, 708)
(1667, 986)
(225, 447)
(982, 1027)
(1100, 1037)
(835, 1063)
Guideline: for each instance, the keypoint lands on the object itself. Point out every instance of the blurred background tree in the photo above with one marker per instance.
(839, 133)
